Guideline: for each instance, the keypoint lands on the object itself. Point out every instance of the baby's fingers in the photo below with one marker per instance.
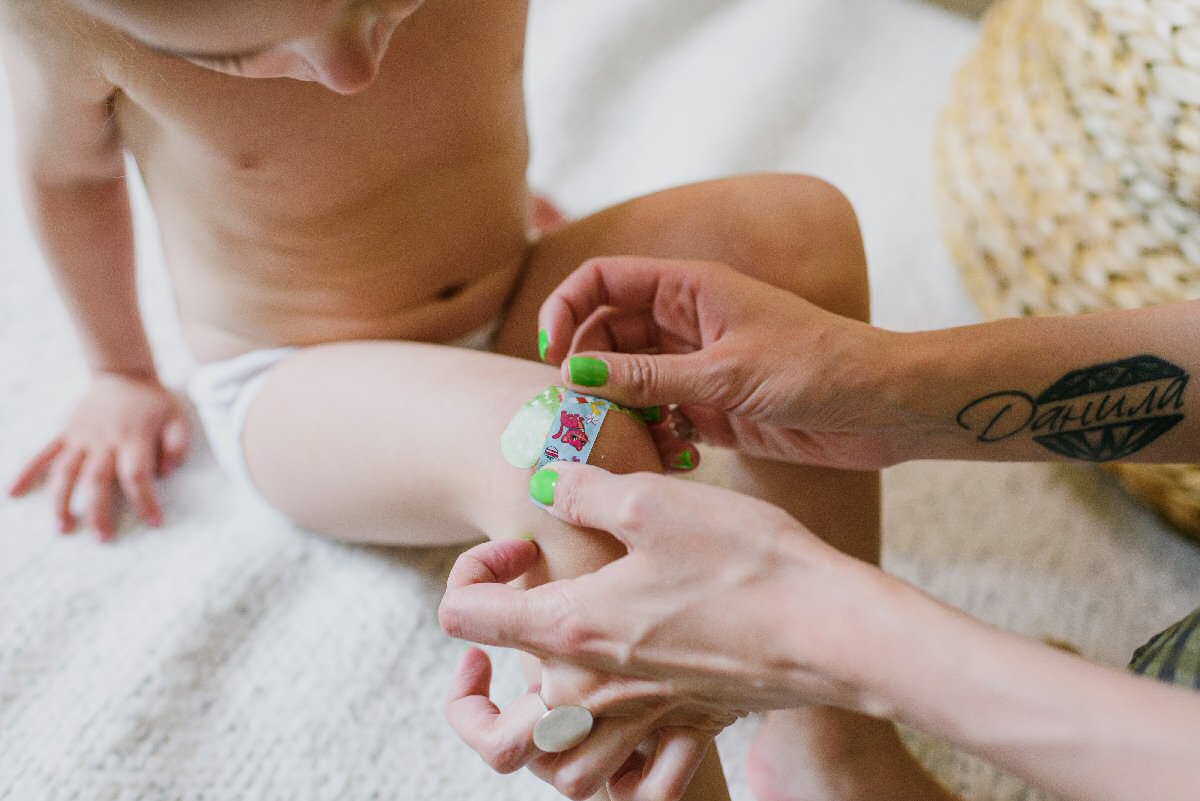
(135, 473)
(63, 477)
(99, 480)
(176, 440)
(37, 467)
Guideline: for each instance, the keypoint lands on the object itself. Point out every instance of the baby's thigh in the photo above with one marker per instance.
(793, 231)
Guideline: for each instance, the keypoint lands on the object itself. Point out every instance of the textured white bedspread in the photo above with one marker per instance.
(231, 656)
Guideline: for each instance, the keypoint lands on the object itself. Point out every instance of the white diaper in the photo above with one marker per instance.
(223, 391)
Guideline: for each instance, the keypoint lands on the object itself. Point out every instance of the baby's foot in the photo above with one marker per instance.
(825, 754)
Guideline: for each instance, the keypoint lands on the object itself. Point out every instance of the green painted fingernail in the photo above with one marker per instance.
(685, 461)
(527, 537)
(543, 343)
(541, 486)
(587, 371)
(652, 414)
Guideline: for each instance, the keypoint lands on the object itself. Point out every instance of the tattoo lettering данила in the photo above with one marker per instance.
(1098, 414)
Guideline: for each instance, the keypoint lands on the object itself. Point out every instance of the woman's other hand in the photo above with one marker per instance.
(753, 367)
(722, 599)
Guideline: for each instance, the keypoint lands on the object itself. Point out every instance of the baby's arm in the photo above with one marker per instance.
(71, 169)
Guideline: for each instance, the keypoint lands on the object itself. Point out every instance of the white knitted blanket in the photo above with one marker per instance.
(230, 656)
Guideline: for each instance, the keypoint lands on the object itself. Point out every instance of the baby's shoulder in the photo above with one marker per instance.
(53, 33)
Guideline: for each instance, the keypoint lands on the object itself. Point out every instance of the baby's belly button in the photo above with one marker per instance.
(451, 291)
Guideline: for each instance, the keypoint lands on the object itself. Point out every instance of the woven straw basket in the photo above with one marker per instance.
(1068, 173)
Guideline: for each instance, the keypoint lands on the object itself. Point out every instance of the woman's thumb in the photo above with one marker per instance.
(640, 380)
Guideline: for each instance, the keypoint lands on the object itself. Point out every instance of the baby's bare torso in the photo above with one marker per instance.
(293, 215)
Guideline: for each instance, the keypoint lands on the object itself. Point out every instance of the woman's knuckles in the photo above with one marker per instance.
(577, 785)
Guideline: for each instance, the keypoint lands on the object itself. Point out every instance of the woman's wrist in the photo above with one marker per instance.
(840, 625)
(898, 385)
(945, 390)
(882, 647)
(1077, 729)
(910, 658)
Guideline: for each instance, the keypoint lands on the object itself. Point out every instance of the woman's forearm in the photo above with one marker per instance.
(1083, 731)
(1110, 386)
(86, 232)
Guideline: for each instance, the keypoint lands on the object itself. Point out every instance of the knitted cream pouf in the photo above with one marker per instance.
(1068, 173)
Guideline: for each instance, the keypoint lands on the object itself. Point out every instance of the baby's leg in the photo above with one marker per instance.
(398, 443)
(800, 234)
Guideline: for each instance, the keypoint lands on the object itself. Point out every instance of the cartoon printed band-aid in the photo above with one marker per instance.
(523, 440)
(579, 420)
(538, 429)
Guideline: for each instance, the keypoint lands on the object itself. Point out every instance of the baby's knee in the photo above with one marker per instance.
(625, 446)
(803, 236)
(560, 424)
(622, 444)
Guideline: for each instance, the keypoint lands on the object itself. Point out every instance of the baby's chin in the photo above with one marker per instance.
(303, 73)
(297, 71)
(258, 72)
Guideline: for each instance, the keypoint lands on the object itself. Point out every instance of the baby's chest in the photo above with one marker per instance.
(283, 129)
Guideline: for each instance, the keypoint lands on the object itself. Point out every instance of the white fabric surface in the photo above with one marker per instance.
(231, 656)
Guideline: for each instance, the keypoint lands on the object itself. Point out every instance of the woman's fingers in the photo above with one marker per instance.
(614, 330)
(636, 509)
(36, 469)
(650, 513)
(499, 561)
(135, 474)
(584, 770)
(666, 289)
(588, 289)
(676, 454)
(645, 379)
(63, 477)
(611, 309)
(480, 606)
(667, 775)
(503, 738)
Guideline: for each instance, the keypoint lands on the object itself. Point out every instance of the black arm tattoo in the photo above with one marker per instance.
(1098, 414)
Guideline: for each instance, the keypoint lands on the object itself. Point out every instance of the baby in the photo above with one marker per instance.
(340, 187)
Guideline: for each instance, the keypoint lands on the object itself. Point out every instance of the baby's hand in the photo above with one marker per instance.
(125, 432)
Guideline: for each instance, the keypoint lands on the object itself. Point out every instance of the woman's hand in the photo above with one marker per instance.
(642, 745)
(726, 602)
(754, 367)
(124, 433)
(722, 600)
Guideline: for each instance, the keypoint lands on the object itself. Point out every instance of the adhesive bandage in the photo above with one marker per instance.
(558, 424)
